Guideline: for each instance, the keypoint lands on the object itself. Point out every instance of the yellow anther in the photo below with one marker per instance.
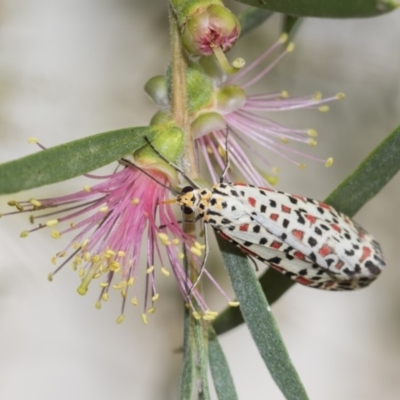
(150, 269)
(109, 253)
(144, 319)
(78, 260)
(24, 234)
(54, 260)
(181, 256)
(121, 253)
(103, 209)
(87, 189)
(195, 251)
(340, 96)
(284, 140)
(164, 271)
(134, 301)
(162, 236)
(81, 272)
(95, 258)
(283, 38)
(32, 140)
(115, 266)
(120, 319)
(209, 312)
(123, 293)
(56, 234)
(312, 142)
(86, 255)
(135, 201)
(233, 303)
(97, 275)
(275, 170)
(97, 305)
(271, 179)
(312, 132)
(196, 315)
(290, 47)
(104, 296)
(50, 277)
(238, 63)
(61, 254)
(221, 151)
(323, 108)
(118, 286)
(35, 203)
(32, 219)
(329, 162)
(285, 94)
(317, 96)
(75, 245)
(151, 310)
(207, 317)
(155, 297)
(209, 149)
(175, 241)
(84, 243)
(74, 266)
(302, 166)
(103, 284)
(131, 281)
(199, 245)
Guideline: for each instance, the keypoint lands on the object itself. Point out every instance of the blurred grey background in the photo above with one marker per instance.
(69, 69)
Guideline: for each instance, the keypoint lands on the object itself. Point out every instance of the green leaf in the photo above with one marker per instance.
(252, 18)
(369, 178)
(261, 323)
(327, 8)
(70, 159)
(188, 377)
(201, 339)
(220, 372)
(356, 190)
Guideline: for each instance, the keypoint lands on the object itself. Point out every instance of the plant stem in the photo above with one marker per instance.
(179, 100)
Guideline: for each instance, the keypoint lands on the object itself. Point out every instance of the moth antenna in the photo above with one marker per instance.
(203, 263)
(124, 161)
(227, 164)
(192, 182)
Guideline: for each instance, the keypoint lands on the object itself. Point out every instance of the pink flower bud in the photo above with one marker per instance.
(210, 27)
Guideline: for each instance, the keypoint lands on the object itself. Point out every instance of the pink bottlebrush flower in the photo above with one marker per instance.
(111, 222)
(251, 129)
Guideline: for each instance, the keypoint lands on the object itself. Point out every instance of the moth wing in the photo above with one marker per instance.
(289, 262)
(326, 237)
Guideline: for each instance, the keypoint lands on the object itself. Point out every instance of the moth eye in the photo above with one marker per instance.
(186, 210)
(187, 189)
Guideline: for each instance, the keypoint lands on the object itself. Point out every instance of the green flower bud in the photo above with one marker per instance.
(206, 123)
(230, 98)
(160, 117)
(169, 142)
(157, 89)
(200, 88)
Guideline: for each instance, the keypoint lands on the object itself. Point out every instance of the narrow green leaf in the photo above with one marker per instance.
(291, 25)
(251, 18)
(201, 338)
(71, 159)
(188, 377)
(261, 323)
(357, 189)
(369, 178)
(327, 8)
(223, 382)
